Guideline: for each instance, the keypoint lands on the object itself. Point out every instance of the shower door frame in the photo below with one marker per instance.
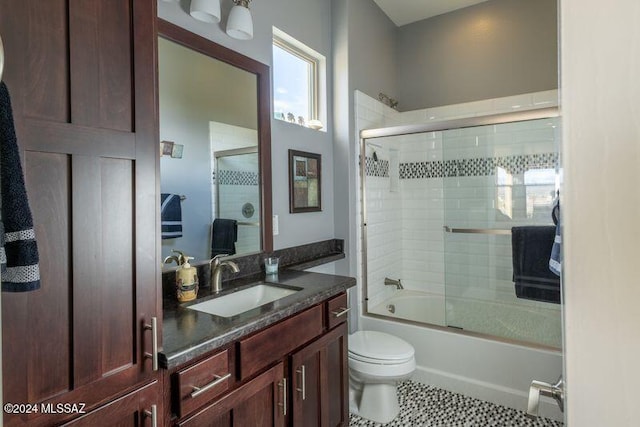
(440, 126)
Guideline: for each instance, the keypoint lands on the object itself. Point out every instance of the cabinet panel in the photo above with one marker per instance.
(35, 38)
(103, 255)
(37, 318)
(337, 309)
(277, 341)
(132, 410)
(320, 378)
(207, 379)
(91, 177)
(259, 403)
(101, 47)
(337, 378)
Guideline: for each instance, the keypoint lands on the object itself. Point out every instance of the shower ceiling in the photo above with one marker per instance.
(403, 12)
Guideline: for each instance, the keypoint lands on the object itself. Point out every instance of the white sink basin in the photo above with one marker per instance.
(244, 300)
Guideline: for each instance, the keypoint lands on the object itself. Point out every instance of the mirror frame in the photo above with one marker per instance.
(184, 37)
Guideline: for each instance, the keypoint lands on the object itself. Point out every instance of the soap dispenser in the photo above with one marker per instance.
(186, 280)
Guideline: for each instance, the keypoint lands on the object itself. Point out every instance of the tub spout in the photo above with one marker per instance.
(392, 282)
(545, 389)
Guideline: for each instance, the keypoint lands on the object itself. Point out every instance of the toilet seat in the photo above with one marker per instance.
(376, 361)
(379, 348)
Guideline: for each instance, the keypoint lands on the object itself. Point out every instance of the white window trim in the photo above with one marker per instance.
(318, 73)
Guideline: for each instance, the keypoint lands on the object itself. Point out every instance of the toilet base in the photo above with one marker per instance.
(376, 402)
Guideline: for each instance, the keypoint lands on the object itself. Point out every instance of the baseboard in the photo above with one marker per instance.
(489, 392)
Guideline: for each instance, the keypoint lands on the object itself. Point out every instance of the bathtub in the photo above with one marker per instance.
(491, 369)
(529, 323)
(414, 306)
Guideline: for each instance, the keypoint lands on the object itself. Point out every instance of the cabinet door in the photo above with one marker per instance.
(137, 409)
(81, 74)
(262, 402)
(319, 377)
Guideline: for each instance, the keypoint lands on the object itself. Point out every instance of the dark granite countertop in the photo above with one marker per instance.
(189, 333)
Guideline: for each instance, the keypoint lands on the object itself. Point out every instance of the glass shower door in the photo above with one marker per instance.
(237, 195)
(495, 178)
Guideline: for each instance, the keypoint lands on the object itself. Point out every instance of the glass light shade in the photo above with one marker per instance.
(240, 23)
(206, 10)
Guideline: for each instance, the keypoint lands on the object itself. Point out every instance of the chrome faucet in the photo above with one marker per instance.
(545, 389)
(215, 265)
(392, 282)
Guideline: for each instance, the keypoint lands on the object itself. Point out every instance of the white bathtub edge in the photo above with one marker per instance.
(489, 392)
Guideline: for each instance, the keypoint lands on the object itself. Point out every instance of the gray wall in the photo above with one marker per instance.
(494, 49)
(372, 48)
(364, 53)
(310, 22)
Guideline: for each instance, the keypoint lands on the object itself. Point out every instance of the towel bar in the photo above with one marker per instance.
(448, 229)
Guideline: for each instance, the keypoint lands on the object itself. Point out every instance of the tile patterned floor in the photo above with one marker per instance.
(426, 406)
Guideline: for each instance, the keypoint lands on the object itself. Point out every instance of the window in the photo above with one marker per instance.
(298, 81)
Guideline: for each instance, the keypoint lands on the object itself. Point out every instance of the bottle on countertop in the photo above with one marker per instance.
(186, 280)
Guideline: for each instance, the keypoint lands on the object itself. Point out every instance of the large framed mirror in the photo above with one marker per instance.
(215, 133)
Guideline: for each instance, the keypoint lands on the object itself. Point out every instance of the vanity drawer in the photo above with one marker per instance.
(273, 343)
(202, 382)
(337, 309)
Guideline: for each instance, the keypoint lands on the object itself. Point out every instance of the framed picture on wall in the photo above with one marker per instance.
(304, 182)
(167, 147)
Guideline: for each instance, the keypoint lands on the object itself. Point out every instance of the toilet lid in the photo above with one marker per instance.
(379, 346)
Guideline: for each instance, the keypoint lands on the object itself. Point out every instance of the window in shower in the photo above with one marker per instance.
(540, 186)
(504, 193)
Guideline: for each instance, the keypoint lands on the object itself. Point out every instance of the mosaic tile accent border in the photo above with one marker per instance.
(422, 405)
(379, 168)
(478, 166)
(228, 177)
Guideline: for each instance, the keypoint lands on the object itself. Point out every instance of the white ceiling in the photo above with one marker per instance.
(403, 12)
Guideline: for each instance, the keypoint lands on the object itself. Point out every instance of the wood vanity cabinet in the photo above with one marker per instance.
(320, 381)
(81, 74)
(292, 373)
(138, 408)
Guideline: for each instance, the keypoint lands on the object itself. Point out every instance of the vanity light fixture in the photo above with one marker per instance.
(240, 22)
(205, 10)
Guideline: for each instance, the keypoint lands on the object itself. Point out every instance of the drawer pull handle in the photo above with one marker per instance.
(303, 389)
(197, 391)
(153, 414)
(153, 327)
(283, 386)
(342, 312)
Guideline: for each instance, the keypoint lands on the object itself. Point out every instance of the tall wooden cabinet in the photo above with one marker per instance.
(82, 75)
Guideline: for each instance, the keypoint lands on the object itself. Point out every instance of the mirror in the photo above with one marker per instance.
(215, 163)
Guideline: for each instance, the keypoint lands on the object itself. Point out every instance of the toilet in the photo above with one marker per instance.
(377, 362)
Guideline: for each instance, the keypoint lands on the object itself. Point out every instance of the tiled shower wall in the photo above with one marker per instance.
(459, 180)
(238, 182)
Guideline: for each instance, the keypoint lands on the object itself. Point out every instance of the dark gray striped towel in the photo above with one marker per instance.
(171, 216)
(18, 250)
